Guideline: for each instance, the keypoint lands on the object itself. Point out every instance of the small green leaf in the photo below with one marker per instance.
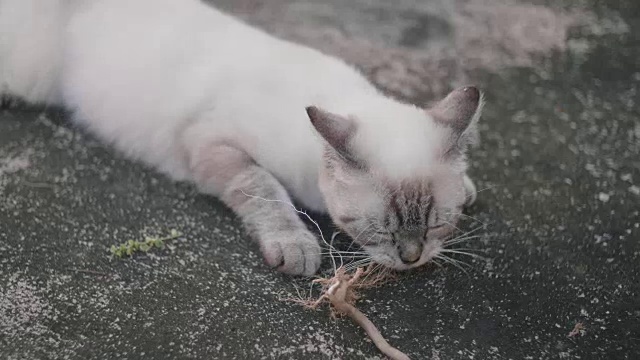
(130, 247)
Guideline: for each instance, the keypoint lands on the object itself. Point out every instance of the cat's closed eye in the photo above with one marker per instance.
(388, 235)
(347, 219)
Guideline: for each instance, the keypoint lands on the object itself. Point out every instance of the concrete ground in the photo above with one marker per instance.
(558, 212)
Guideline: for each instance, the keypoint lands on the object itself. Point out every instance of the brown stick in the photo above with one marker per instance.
(337, 294)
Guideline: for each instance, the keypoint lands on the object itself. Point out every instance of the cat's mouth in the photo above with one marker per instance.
(430, 251)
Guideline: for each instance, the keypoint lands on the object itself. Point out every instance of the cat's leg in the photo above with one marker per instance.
(262, 203)
(470, 190)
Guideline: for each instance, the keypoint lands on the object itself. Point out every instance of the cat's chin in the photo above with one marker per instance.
(403, 267)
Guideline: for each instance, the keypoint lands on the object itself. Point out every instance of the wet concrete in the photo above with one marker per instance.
(559, 209)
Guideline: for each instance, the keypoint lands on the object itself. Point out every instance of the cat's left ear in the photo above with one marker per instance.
(335, 129)
(460, 112)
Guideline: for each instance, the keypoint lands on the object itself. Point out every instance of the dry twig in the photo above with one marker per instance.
(577, 330)
(339, 292)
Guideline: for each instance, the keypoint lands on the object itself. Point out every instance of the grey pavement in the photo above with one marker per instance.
(558, 214)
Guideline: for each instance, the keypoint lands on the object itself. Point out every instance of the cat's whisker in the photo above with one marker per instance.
(465, 249)
(376, 228)
(487, 188)
(376, 270)
(445, 257)
(354, 241)
(460, 240)
(362, 232)
(476, 256)
(467, 216)
(461, 262)
(435, 261)
(358, 263)
(467, 233)
(348, 258)
(453, 262)
(353, 268)
(447, 261)
(350, 255)
(343, 252)
(452, 225)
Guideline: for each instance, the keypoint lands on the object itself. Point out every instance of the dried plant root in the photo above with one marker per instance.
(338, 294)
(339, 291)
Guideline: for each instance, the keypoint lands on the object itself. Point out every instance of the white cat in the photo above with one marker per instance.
(208, 99)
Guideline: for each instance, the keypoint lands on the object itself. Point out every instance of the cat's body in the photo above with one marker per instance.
(208, 99)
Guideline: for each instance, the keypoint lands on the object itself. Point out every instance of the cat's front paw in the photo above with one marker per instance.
(295, 252)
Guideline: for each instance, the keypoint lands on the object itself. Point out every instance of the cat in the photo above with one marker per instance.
(252, 119)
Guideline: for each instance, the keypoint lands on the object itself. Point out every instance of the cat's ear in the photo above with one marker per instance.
(459, 112)
(335, 129)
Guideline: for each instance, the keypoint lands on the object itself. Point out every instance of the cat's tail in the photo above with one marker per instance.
(31, 48)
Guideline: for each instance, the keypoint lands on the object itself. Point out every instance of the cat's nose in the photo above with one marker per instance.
(410, 252)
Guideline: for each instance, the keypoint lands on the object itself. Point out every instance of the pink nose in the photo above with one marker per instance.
(410, 252)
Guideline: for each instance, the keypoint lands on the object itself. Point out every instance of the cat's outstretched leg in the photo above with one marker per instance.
(261, 202)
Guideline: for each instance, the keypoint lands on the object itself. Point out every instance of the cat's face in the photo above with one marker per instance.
(399, 193)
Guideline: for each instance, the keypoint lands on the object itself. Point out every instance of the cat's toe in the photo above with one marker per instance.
(295, 253)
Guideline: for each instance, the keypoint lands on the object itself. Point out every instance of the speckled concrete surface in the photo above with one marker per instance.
(559, 169)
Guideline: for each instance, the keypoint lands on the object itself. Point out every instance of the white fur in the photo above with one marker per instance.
(157, 78)
(398, 140)
(30, 56)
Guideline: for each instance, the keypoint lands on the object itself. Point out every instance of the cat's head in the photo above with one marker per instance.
(393, 175)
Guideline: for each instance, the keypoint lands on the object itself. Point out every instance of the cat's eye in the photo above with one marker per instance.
(347, 219)
(436, 221)
(433, 228)
(387, 234)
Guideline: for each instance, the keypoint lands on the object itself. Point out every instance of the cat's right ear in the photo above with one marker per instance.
(336, 130)
(459, 112)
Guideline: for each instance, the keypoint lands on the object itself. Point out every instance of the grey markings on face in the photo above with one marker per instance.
(410, 206)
